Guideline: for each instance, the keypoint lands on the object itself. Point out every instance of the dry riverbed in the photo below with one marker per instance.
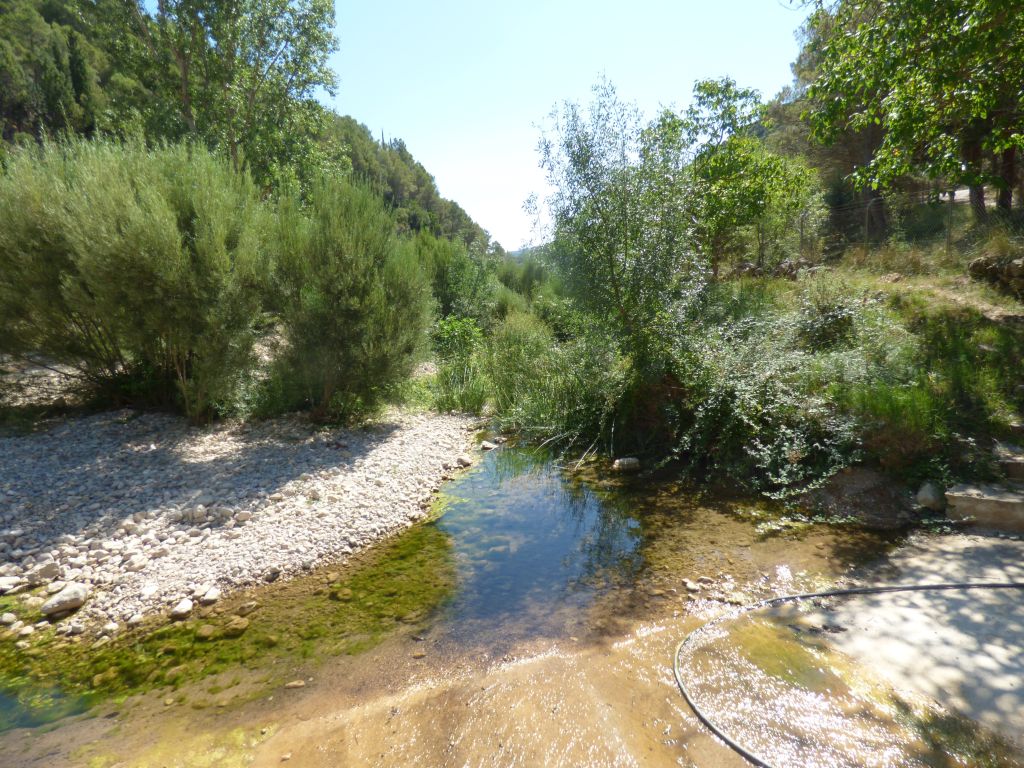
(110, 519)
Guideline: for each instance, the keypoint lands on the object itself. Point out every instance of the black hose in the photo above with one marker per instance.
(747, 754)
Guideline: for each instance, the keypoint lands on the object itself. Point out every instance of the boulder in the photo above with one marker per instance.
(930, 496)
(71, 598)
(627, 464)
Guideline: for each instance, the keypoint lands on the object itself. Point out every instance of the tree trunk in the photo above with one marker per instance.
(973, 161)
(876, 218)
(1008, 174)
(978, 203)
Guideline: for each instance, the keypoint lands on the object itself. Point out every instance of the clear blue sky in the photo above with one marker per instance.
(466, 83)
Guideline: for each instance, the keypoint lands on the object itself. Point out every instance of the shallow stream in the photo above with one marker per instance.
(532, 622)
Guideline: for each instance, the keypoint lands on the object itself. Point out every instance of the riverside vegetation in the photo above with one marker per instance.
(707, 298)
(743, 293)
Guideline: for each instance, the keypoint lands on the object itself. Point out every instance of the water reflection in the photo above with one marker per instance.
(532, 548)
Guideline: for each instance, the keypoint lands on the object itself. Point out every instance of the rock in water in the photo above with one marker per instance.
(72, 597)
(930, 496)
(629, 464)
(236, 627)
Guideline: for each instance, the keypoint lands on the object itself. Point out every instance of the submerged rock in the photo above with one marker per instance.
(247, 607)
(628, 464)
(236, 626)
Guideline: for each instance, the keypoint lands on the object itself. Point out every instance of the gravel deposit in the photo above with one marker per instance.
(135, 514)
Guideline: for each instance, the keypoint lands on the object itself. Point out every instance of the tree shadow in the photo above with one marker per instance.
(90, 475)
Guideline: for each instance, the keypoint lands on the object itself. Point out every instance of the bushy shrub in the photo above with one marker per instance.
(462, 280)
(456, 338)
(508, 302)
(354, 300)
(562, 393)
(827, 315)
(747, 417)
(140, 268)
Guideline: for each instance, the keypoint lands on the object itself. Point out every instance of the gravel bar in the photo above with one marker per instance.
(141, 513)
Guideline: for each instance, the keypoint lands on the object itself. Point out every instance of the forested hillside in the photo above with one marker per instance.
(241, 81)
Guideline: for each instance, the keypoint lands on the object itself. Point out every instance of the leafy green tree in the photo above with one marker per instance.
(620, 218)
(738, 184)
(857, 213)
(242, 75)
(939, 79)
(47, 72)
(390, 169)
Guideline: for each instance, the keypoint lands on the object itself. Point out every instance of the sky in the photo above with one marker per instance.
(468, 84)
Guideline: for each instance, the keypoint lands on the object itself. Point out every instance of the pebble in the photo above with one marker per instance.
(296, 684)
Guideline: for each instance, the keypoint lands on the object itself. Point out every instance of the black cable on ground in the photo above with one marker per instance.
(747, 754)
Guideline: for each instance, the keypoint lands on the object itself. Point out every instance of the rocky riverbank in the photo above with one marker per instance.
(109, 519)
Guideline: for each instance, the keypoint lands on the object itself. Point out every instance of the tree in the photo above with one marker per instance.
(939, 78)
(620, 216)
(857, 212)
(47, 73)
(738, 184)
(355, 301)
(243, 75)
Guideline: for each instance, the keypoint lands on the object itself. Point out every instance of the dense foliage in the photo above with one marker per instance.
(722, 290)
(141, 269)
(354, 301)
(936, 77)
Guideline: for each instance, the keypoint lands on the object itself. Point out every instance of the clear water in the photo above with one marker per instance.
(532, 549)
(523, 553)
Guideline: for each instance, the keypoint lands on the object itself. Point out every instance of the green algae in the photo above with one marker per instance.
(335, 611)
(795, 659)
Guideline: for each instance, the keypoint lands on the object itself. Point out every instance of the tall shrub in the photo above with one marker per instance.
(354, 300)
(140, 268)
